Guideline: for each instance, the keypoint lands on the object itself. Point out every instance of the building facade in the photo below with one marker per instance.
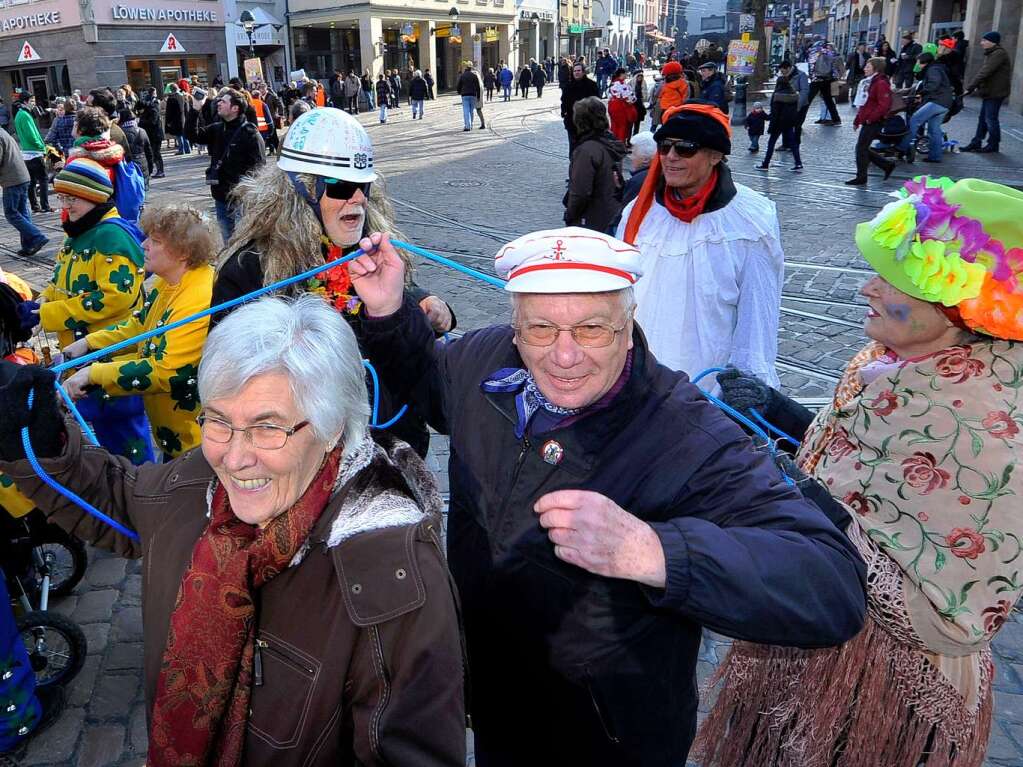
(576, 32)
(536, 35)
(51, 47)
(433, 35)
(269, 43)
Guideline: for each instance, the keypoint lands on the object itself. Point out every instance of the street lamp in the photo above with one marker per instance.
(453, 13)
(248, 23)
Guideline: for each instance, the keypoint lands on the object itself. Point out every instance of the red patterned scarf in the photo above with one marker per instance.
(688, 208)
(202, 695)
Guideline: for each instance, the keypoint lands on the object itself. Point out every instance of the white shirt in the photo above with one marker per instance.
(710, 294)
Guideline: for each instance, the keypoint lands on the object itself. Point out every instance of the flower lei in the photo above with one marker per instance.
(335, 284)
(951, 259)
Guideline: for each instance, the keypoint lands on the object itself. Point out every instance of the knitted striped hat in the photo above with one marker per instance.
(84, 178)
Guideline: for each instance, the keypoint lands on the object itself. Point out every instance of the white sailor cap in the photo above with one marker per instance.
(568, 260)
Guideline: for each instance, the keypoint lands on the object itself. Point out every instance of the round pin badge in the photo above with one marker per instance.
(552, 452)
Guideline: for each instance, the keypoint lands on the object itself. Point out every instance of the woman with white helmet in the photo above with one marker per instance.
(314, 205)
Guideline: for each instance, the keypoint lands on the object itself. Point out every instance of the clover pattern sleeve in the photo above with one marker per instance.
(750, 558)
(114, 334)
(154, 365)
(102, 289)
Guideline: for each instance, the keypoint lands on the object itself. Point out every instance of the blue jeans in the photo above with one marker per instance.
(183, 145)
(754, 142)
(987, 123)
(468, 108)
(370, 99)
(225, 219)
(602, 84)
(383, 111)
(506, 92)
(417, 108)
(930, 114)
(17, 214)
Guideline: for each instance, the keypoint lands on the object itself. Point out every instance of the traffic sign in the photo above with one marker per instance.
(28, 53)
(171, 45)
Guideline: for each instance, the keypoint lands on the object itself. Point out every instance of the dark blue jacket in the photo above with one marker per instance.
(605, 668)
(713, 89)
(755, 122)
(606, 65)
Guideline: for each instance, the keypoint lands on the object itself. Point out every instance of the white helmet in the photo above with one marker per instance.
(330, 143)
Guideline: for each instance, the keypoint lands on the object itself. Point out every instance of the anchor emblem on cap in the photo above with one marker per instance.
(552, 452)
(558, 250)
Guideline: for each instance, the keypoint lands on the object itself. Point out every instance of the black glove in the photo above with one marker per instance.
(44, 421)
(744, 391)
(814, 492)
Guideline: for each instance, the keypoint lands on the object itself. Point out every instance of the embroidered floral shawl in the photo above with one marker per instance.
(925, 455)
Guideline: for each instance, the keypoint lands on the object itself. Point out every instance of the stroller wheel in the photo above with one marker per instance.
(923, 144)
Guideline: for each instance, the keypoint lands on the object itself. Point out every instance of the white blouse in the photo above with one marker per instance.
(710, 294)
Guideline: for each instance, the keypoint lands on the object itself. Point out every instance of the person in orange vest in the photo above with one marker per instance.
(675, 90)
(264, 121)
(321, 96)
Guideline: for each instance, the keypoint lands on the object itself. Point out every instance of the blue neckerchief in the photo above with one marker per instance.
(528, 399)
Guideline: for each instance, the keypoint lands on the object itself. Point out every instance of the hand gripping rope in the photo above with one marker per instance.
(374, 423)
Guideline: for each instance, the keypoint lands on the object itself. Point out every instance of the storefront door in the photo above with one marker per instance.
(37, 86)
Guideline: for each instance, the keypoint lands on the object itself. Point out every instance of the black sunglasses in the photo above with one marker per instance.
(338, 189)
(682, 147)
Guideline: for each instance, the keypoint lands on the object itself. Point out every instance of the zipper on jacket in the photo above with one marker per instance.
(515, 474)
(257, 663)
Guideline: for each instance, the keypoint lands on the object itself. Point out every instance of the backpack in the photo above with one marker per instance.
(822, 67)
(129, 190)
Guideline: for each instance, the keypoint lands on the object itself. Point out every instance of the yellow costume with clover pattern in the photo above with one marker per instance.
(163, 369)
(97, 281)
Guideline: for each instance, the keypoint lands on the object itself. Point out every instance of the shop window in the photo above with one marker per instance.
(200, 68)
(140, 76)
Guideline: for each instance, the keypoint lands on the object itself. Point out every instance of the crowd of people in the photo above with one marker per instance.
(303, 601)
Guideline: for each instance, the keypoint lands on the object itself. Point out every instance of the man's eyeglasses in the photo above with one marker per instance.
(265, 436)
(593, 335)
(682, 147)
(338, 189)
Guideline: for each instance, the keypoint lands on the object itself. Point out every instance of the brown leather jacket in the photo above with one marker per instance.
(360, 645)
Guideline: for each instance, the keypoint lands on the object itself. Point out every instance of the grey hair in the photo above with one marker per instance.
(627, 297)
(418, 73)
(307, 340)
(643, 149)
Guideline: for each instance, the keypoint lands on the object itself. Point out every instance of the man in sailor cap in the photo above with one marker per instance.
(602, 511)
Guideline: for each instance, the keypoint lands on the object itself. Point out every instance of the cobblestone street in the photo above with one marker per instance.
(462, 195)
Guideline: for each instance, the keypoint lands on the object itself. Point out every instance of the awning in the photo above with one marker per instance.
(660, 38)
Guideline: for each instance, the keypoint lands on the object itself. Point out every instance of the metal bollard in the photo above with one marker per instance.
(739, 104)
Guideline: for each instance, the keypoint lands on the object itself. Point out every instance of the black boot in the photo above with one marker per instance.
(973, 146)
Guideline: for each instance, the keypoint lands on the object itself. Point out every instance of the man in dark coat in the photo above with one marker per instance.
(602, 511)
(907, 60)
(235, 149)
(580, 87)
(148, 110)
(993, 83)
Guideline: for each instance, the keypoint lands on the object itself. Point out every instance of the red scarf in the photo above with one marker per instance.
(202, 695)
(688, 208)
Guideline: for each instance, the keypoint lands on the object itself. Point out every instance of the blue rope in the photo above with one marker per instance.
(69, 494)
(767, 424)
(78, 416)
(495, 281)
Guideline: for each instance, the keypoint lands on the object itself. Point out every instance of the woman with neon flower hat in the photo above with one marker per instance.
(921, 444)
(314, 205)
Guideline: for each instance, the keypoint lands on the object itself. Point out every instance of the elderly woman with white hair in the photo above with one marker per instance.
(643, 150)
(296, 602)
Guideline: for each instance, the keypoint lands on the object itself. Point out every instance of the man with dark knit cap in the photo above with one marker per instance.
(711, 249)
(992, 82)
